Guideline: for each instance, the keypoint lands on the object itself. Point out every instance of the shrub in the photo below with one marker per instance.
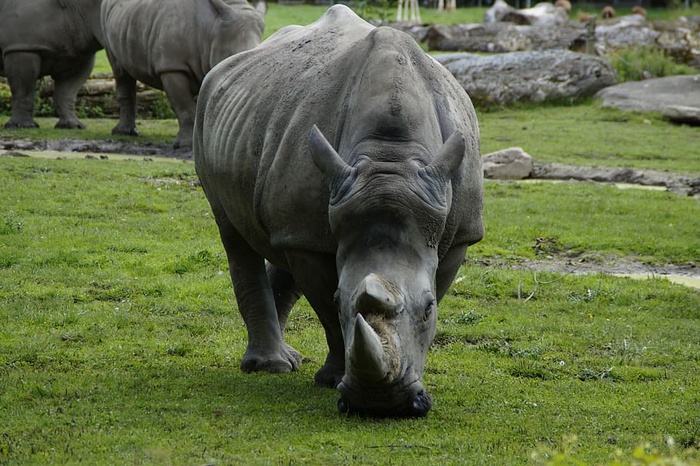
(638, 63)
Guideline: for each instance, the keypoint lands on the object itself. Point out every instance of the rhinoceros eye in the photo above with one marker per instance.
(429, 309)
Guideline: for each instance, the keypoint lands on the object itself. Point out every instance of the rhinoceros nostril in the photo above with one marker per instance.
(343, 407)
(421, 405)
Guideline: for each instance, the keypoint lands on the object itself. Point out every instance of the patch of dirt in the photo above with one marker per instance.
(674, 182)
(594, 264)
(106, 146)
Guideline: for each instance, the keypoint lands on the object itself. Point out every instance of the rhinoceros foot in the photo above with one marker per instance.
(70, 124)
(183, 142)
(285, 359)
(125, 130)
(19, 124)
(330, 375)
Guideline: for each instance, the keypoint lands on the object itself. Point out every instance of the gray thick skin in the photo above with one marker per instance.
(377, 205)
(171, 45)
(56, 38)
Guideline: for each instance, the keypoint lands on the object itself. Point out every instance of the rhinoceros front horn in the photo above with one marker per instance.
(367, 358)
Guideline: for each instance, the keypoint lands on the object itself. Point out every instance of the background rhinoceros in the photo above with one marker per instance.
(369, 215)
(58, 38)
(171, 45)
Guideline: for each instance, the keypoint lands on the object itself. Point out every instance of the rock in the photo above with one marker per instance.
(528, 76)
(675, 97)
(542, 15)
(505, 37)
(682, 114)
(507, 164)
(498, 11)
(681, 44)
(677, 183)
(626, 31)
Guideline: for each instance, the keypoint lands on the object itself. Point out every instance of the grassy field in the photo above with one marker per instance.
(120, 340)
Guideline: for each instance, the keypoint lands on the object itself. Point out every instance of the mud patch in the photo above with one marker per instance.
(106, 146)
(688, 274)
(674, 182)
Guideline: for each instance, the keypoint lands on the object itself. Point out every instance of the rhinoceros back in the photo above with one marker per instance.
(355, 82)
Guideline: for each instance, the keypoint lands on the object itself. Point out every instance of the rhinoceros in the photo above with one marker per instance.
(56, 38)
(342, 162)
(171, 45)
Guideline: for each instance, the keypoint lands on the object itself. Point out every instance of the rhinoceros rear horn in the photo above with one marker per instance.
(377, 297)
(325, 157)
(450, 156)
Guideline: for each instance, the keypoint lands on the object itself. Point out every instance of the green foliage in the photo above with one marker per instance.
(120, 339)
(160, 108)
(5, 98)
(381, 10)
(639, 63)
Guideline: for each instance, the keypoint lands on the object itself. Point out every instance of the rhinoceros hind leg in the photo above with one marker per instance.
(22, 70)
(319, 287)
(330, 375)
(126, 96)
(66, 92)
(178, 88)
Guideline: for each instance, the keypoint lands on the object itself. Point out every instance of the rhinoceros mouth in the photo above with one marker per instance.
(401, 400)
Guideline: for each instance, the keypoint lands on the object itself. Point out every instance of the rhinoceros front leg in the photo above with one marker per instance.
(178, 88)
(316, 276)
(66, 92)
(125, 86)
(22, 70)
(266, 349)
(449, 266)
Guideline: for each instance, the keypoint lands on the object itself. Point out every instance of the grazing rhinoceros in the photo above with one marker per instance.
(349, 159)
(171, 45)
(56, 38)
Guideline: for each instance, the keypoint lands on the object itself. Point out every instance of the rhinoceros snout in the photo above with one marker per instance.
(419, 406)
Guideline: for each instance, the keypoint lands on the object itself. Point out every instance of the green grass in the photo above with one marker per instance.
(579, 220)
(589, 134)
(120, 340)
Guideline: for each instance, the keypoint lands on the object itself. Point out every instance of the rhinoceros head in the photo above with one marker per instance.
(239, 27)
(387, 212)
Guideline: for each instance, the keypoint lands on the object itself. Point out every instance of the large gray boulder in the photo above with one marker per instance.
(626, 31)
(528, 76)
(502, 37)
(507, 164)
(676, 97)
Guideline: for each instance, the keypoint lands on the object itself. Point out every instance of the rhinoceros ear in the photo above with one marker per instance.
(325, 157)
(450, 156)
(260, 6)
